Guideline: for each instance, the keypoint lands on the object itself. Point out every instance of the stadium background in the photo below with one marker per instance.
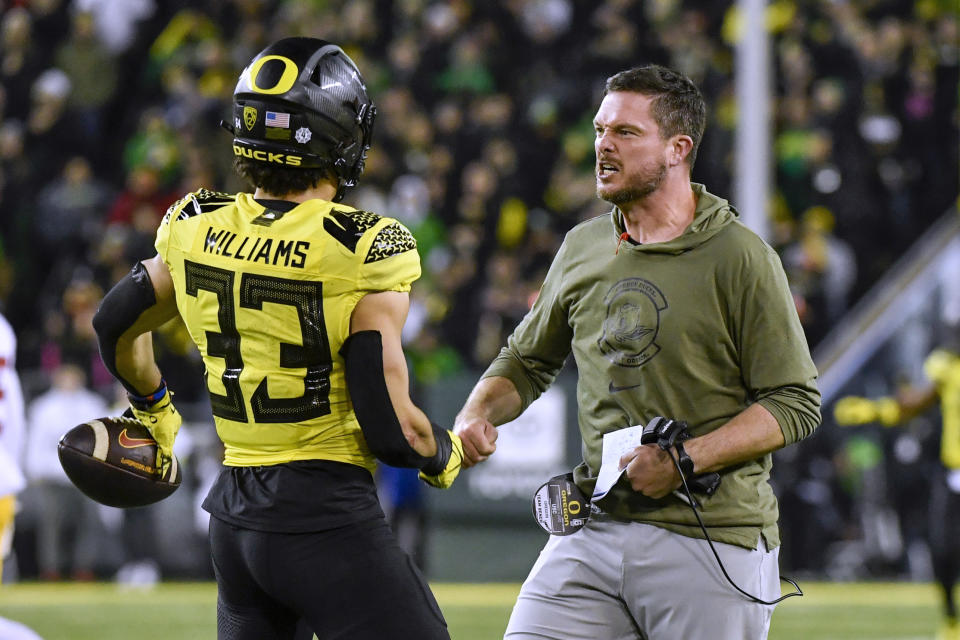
(483, 147)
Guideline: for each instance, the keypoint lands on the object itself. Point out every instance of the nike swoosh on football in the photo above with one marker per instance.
(614, 389)
(132, 443)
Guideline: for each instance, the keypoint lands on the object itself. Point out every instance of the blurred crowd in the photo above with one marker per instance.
(483, 145)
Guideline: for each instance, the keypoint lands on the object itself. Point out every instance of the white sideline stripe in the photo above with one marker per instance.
(101, 440)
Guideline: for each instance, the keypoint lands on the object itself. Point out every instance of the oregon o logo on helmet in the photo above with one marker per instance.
(289, 76)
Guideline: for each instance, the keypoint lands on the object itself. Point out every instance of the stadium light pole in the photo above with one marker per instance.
(752, 177)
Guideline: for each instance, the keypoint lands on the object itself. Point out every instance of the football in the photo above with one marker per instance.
(113, 461)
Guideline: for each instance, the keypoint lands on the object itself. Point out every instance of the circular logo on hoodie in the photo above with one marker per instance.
(632, 322)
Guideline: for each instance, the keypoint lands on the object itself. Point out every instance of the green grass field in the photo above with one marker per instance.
(186, 611)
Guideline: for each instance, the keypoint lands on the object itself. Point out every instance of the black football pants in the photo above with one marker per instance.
(350, 583)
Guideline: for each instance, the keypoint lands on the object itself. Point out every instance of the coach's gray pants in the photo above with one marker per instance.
(615, 580)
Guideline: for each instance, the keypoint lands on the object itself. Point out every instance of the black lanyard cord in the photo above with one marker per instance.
(703, 528)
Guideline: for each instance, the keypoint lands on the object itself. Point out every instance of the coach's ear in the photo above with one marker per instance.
(679, 149)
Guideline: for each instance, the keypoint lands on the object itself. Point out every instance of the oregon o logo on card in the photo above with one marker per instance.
(632, 323)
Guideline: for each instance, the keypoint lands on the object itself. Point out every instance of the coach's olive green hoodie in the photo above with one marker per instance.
(695, 329)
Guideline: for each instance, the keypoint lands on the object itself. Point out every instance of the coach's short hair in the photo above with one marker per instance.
(678, 106)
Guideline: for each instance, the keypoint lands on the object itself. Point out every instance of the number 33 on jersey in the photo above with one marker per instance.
(267, 296)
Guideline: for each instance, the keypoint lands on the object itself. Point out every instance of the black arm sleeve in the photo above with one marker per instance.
(363, 359)
(118, 311)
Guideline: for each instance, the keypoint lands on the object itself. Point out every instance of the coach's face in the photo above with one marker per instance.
(631, 155)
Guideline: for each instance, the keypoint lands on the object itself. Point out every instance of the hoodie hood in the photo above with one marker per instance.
(711, 216)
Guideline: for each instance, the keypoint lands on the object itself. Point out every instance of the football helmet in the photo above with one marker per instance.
(302, 103)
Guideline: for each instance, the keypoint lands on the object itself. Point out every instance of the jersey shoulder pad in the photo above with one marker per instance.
(365, 220)
(391, 240)
(196, 203)
(347, 226)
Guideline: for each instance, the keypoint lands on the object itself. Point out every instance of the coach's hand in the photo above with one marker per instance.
(161, 419)
(854, 410)
(479, 438)
(650, 471)
(445, 478)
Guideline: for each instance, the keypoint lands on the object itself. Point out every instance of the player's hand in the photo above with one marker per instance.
(445, 478)
(163, 421)
(650, 471)
(854, 410)
(479, 438)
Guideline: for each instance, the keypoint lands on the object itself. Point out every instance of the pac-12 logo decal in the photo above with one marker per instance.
(249, 117)
(632, 323)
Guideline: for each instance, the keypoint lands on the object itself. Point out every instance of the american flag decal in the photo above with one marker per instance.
(277, 119)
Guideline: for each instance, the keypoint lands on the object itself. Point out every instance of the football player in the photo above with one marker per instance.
(296, 303)
(942, 368)
(12, 431)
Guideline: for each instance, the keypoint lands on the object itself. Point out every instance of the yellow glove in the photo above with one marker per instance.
(888, 411)
(854, 410)
(161, 419)
(445, 478)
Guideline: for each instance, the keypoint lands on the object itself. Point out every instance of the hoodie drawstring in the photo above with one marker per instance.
(623, 236)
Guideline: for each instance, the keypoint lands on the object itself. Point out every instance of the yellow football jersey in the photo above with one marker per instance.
(943, 368)
(267, 297)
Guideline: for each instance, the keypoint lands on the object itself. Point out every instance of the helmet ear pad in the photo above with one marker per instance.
(302, 103)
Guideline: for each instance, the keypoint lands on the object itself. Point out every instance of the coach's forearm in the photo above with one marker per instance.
(494, 399)
(752, 433)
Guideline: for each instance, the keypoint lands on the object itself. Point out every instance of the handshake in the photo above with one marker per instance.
(854, 410)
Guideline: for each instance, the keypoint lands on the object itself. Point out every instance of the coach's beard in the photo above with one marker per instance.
(639, 187)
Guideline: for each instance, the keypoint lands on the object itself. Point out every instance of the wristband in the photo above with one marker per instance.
(436, 464)
(145, 402)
